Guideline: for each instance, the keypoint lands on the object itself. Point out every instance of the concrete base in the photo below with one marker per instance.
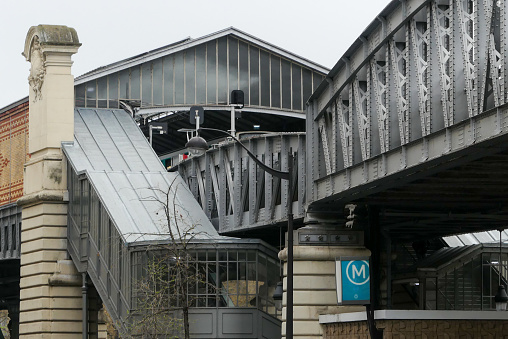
(314, 287)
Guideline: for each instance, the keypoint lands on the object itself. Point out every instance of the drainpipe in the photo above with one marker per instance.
(84, 292)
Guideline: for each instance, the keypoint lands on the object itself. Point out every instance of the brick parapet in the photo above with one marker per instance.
(13, 151)
(424, 329)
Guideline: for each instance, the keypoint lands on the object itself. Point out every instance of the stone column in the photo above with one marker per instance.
(315, 293)
(50, 286)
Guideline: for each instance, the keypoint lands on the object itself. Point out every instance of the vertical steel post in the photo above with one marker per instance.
(289, 303)
(233, 120)
(150, 134)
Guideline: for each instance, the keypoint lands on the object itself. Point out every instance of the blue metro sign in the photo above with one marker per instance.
(353, 280)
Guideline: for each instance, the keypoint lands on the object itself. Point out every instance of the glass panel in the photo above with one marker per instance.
(254, 76)
(201, 74)
(168, 80)
(146, 74)
(275, 80)
(113, 90)
(286, 84)
(297, 86)
(307, 84)
(135, 83)
(223, 71)
(242, 256)
(157, 82)
(80, 95)
(124, 84)
(212, 256)
(243, 52)
(201, 256)
(179, 84)
(251, 255)
(211, 72)
(190, 77)
(91, 94)
(233, 64)
(102, 92)
(265, 78)
(317, 80)
(273, 277)
(232, 255)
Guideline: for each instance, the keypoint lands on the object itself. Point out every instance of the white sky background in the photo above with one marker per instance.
(112, 30)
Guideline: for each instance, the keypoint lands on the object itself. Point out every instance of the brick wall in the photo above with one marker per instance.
(13, 152)
(420, 329)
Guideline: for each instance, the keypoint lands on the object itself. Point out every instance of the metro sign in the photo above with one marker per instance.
(352, 276)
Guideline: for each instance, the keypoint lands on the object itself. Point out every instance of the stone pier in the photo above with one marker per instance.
(50, 286)
(314, 277)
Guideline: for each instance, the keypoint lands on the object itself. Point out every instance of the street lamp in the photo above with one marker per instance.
(196, 145)
(197, 141)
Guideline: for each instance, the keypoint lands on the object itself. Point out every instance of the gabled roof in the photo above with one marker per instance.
(130, 181)
(188, 43)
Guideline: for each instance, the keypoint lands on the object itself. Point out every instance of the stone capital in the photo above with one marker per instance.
(51, 38)
(47, 46)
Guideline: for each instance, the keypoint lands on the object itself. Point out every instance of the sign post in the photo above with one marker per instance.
(352, 276)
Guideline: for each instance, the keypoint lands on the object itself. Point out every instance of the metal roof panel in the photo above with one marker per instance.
(130, 180)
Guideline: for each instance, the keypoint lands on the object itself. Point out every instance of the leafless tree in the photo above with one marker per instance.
(4, 322)
(171, 272)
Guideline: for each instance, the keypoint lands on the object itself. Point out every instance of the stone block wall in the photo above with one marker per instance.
(420, 329)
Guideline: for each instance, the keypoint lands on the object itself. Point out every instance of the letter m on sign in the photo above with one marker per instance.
(352, 276)
(360, 272)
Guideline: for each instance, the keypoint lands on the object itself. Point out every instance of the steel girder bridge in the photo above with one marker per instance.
(410, 125)
(411, 121)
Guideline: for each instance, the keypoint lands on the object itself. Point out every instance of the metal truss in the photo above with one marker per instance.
(495, 74)
(420, 36)
(361, 90)
(466, 10)
(379, 71)
(427, 66)
(237, 194)
(443, 22)
(345, 129)
(399, 58)
(327, 153)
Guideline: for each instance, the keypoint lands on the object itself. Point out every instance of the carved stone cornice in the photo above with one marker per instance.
(44, 39)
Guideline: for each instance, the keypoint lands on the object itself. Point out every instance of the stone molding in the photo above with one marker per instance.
(323, 253)
(43, 196)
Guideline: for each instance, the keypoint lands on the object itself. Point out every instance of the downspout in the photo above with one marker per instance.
(84, 293)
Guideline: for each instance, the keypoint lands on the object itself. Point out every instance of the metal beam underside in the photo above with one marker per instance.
(449, 192)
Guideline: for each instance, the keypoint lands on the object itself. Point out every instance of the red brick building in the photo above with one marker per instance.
(13, 150)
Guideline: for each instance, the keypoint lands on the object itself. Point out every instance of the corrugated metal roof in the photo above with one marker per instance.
(109, 140)
(130, 180)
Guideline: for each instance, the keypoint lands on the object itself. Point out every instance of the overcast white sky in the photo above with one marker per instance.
(111, 30)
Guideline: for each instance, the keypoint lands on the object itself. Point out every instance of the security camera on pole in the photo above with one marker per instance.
(236, 101)
(197, 117)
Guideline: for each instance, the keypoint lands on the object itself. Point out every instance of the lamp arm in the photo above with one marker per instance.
(274, 172)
